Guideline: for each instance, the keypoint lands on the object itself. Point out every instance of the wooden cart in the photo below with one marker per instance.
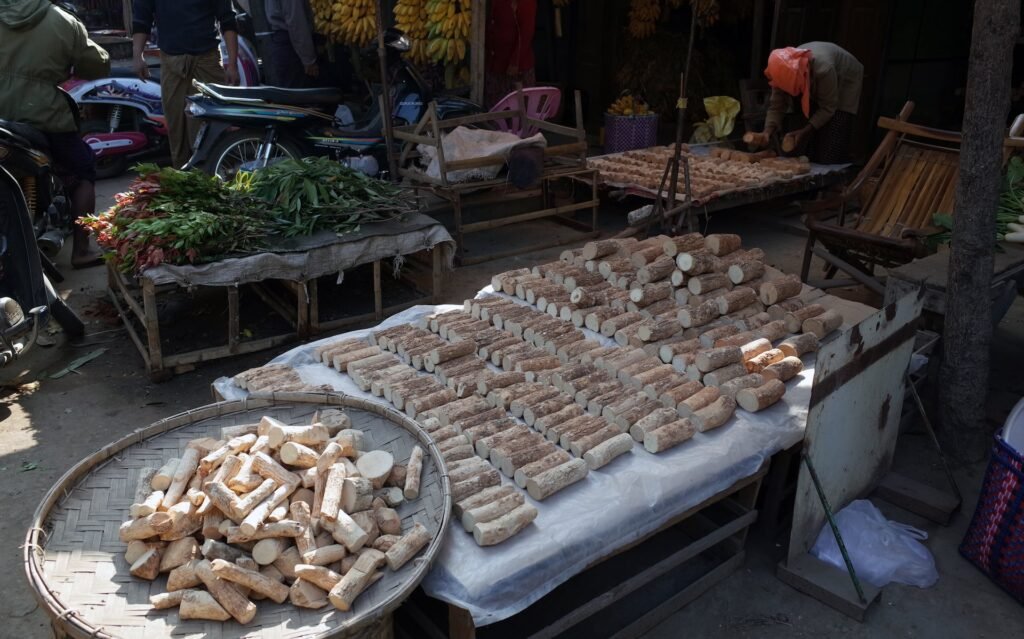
(562, 161)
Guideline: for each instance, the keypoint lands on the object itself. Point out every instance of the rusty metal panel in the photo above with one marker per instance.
(854, 414)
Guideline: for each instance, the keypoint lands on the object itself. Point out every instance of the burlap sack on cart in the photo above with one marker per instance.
(464, 143)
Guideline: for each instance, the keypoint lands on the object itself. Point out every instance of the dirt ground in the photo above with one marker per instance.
(48, 424)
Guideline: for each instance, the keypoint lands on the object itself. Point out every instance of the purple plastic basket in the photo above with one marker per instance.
(995, 539)
(628, 132)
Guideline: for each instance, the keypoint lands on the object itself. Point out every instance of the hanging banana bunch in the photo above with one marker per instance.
(352, 22)
(643, 15)
(411, 18)
(448, 23)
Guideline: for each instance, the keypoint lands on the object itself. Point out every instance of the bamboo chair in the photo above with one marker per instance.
(885, 214)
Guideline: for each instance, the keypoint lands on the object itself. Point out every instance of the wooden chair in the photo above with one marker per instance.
(880, 216)
(884, 216)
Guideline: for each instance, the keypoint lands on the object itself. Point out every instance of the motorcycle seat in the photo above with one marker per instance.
(128, 72)
(29, 135)
(323, 95)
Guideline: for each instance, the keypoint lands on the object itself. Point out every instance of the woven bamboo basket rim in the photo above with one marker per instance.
(73, 622)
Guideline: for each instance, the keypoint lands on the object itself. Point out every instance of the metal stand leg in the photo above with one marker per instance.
(835, 529)
(935, 441)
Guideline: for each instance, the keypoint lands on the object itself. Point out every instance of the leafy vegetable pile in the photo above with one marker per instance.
(317, 193)
(177, 217)
(188, 217)
(1009, 215)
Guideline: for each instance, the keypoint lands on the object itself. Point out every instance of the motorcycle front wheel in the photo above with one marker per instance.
(236, 149)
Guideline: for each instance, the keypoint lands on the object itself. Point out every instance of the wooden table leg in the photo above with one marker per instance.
(156, 360)
(314, 307)
(302, 325)
(378, 298)
(437, 274)
(233, 329)
(459, 239)
(460, 623)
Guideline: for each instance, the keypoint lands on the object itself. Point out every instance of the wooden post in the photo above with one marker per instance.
(477, 35)
(757, 41)
(968, 322)
(385, 94)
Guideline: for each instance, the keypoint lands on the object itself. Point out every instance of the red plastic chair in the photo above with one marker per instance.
(539, 103)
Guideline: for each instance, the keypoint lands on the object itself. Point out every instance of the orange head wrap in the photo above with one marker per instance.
(789, 70)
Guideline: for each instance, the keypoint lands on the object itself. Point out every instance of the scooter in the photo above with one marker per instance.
(23, 280)
(21, 277)
(124, 117)
(249, 128)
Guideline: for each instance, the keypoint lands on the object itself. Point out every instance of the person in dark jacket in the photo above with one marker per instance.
(40, 45)
(188, 51)
(292, 62)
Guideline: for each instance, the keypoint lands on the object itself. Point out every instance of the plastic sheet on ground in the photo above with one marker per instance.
(304, 258)
(611, 508)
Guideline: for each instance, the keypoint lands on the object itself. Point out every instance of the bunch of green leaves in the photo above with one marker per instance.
(317, 193)
(177, 217)
(1010, 209)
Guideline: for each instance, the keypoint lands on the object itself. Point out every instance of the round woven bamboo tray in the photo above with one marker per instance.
(75, 563)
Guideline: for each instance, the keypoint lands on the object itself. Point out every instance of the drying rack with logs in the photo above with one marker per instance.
(702, 326)
(719, 171)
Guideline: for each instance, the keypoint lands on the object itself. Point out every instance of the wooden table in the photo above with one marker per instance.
(294, 297)
(654, 576)
(932, 273)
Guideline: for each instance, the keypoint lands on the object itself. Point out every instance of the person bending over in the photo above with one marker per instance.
(827, 80)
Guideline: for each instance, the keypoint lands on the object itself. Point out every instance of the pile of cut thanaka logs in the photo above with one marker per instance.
(702, 327)
(718, 171)
(272, 504)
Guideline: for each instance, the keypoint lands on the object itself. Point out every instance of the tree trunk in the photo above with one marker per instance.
(968, 322)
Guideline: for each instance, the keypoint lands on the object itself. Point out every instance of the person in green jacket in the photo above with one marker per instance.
(41, 45)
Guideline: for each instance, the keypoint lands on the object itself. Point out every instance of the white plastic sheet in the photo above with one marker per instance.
(613, 507)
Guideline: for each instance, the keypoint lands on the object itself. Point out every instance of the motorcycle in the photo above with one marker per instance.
(124, 116)
(23, 280)
(249, 128)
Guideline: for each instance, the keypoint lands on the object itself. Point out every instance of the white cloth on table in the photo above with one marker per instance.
(613, 507)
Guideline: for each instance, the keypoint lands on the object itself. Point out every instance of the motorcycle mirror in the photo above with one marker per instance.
(397, 40)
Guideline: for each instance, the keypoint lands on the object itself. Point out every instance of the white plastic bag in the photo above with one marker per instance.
(882, 551)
